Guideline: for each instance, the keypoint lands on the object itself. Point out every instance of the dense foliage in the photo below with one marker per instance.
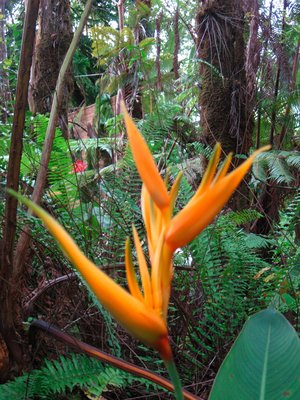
(247, 260)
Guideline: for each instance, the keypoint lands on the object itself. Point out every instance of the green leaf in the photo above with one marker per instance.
(264, 362)
(149, 41)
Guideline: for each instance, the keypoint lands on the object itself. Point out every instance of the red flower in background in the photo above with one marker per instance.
(79, 166)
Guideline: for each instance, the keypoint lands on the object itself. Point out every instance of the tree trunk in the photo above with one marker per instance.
(9, 295)
(131, 91)
(158, 20)
(292, 87)
(221, 51)
(278, 74)
(24, 239)
(53, 40)
(141, 31)
(4, 84)
(252, 63)
(176, 44)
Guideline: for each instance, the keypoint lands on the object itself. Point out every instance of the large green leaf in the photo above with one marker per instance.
(264, 362)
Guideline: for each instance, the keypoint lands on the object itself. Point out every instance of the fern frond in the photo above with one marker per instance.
(294, 160)
(279, 171)
(243, 217)
(258, 241)
(61, 376)
(277, 164)
(226, 267)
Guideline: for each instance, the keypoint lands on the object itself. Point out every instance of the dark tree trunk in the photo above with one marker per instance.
(53, 40)
(4, 85)
(24, 239)
(9, 295)
(221, 51)
(268, 204)
(141, 31)
(266, 35)
(292, 86)
(252, 63)
(278, 74)
(159, 84)
(176, 44)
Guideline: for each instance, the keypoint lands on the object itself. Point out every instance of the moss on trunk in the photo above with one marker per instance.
(53, 40)
(221, 51)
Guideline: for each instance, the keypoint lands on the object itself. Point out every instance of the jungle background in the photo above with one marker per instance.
(191, 73)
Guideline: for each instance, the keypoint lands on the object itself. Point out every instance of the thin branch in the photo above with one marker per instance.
(104, 357)
(24, 239)
(47, 285)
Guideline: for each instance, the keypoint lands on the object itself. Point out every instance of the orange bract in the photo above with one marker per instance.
(165, 233)
(143, 312)
(130, 311)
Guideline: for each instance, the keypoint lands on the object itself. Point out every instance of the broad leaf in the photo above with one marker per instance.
(264, 362)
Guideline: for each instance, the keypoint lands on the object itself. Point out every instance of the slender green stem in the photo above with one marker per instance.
(171, 367)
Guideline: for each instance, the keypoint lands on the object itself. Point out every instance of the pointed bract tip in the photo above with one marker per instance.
(145, 163)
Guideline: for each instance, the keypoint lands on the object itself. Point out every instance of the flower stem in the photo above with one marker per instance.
(171, 367)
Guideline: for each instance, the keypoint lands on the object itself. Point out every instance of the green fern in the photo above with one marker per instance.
(61, 376)
(108, 42)
(276, 165)
(293, 160)
(287, 249)
(258, 241)
(227, 266)
(243, 217)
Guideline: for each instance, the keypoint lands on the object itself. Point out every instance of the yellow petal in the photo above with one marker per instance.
(138, 319)
(156, 274)
(146, 212)
(145, 164)
(174, 191)
(167, 276)
(157, 220)
(130, 274)
(145, 276)
(210, 171)
(190, 221)
(223, 170)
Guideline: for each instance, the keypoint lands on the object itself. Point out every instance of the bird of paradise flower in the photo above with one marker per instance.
(142, 311)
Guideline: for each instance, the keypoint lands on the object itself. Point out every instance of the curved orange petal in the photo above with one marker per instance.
(130, 273)
(174, 192)
(209, 172)
(145, 276)
(167, 276)
(145, 164)
(156, 274)
(191, 220)
(138, 319)
(223, 170)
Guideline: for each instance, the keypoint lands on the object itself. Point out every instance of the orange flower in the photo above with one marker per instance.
(130, 311)
(143, 312)
(164, 233)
